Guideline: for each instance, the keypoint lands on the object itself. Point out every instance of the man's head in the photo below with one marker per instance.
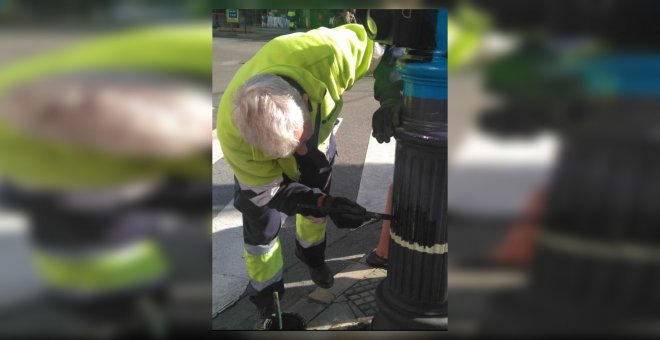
(272, 116)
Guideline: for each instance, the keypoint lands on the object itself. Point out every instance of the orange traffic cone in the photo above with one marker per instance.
(517, 249)
(378, 257)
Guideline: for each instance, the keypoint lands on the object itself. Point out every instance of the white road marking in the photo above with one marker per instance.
(12, 222)
(217, 151)
(20, 281)
(229, 277)
(337, 125)
(227, 63)
(491, 177)
(377, 175)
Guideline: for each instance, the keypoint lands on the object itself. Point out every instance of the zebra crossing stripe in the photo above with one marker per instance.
(217, 151)
(229, 275)
(377, 174)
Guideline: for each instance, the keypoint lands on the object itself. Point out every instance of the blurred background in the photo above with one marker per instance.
(105, 117)
(105, 196)
(551, 129)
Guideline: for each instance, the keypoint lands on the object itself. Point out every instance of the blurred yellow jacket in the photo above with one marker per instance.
(29, 159)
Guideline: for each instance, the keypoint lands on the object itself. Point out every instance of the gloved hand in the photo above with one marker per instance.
(312, 205)
(387, 91)
(345, 213)
(385, 119)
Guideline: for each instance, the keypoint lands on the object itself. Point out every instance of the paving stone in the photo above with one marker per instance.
(321, 304)
(322, 295)
(343, 281)
(377, 273)
(341, 298)
(240, 316)
(308, 309)
(357, 311)
(335, 313)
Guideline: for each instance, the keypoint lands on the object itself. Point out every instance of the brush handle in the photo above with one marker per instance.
(278, 311)
(369, 214)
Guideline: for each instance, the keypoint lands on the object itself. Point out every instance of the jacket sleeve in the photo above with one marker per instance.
(283, 195)
(387, 82)
(358, 47)
(352, 52)
(291, 194)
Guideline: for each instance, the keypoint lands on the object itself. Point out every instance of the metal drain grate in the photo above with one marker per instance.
(363, 295)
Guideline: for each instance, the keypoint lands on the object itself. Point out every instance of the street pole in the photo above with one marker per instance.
(413, 296)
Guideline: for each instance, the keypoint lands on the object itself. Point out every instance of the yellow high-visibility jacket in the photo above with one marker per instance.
(325, 62)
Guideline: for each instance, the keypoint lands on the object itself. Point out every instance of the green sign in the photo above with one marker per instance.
(232, 15)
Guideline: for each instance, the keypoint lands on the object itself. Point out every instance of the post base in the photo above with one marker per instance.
(389, 317)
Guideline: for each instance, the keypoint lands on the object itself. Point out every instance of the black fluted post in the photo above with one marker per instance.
(414, 294)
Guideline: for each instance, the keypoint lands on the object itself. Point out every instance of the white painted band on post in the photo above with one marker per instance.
(599, 249)
(437, 249)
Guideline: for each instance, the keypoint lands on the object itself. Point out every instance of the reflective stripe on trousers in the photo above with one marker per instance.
(261, 225)
(264, 264)
(106, 271)
(309, 233)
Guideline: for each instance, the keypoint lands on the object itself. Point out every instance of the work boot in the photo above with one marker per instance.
(321, 275)
(376, 261)
(262, 316)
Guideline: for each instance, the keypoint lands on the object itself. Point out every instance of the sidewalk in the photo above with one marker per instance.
(349, 305)
(252, 32)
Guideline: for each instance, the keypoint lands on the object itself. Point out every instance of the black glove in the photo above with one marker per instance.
(345, 213)
(308, 206)
(387, 90)
(385, 119)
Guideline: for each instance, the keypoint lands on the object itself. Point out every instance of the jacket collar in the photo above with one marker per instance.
(314, 88)
(300, 90)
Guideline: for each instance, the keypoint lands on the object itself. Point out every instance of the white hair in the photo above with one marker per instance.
(267, 112)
